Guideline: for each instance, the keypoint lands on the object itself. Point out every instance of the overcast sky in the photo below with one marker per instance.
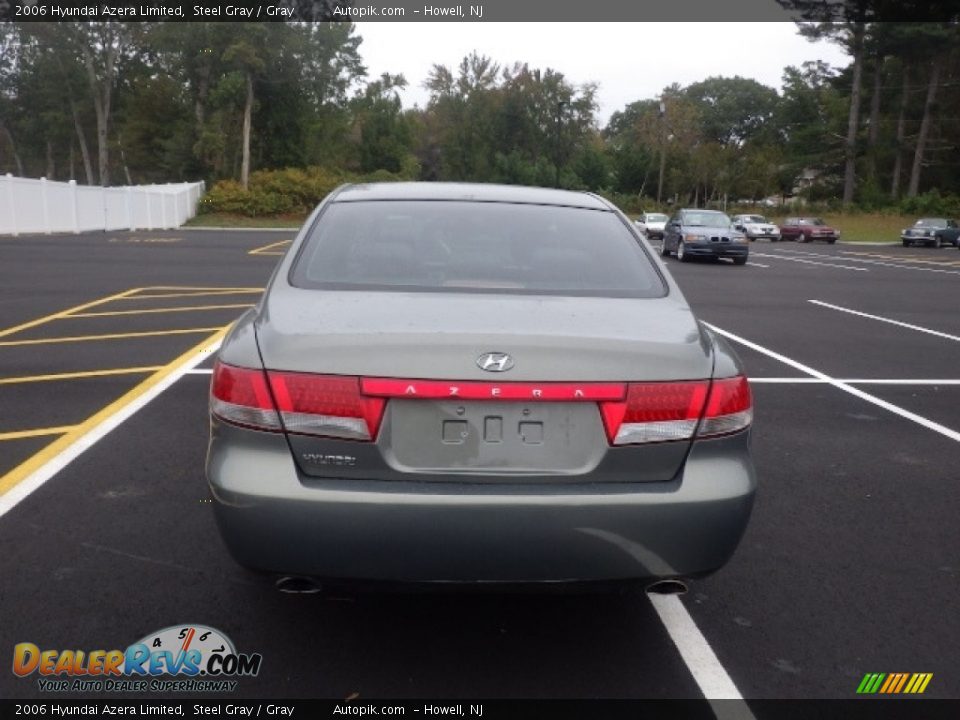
(629, 61)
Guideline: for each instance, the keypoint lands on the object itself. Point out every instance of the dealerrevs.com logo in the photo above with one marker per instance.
(180, 658)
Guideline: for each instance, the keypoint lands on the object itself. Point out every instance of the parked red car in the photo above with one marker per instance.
(807, 229)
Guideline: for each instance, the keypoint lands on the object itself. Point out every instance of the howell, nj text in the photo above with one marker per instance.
(446, 12)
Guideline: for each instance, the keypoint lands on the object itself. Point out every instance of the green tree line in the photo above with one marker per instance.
(158, 102)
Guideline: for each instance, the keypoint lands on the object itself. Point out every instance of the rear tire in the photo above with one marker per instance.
(906, 243)
(682, 252)
(801, 238)
(740, 260)
(938, 242)
(664, 250)
(831, 241)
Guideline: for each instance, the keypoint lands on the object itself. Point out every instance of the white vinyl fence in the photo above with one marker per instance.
(43, 206)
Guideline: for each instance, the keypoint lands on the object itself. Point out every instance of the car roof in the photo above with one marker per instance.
(474, 192)
(701, 210)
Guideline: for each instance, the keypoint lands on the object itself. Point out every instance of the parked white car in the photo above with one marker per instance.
(756, 226)
(652, 224)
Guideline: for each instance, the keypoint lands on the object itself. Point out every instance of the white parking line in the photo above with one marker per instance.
(918, 328)
(709, 674)
(854, 381)
(813, 262)
(841, 385)
(757, 264)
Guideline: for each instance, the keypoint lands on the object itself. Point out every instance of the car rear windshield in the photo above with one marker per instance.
(461, 246)
(656, 217)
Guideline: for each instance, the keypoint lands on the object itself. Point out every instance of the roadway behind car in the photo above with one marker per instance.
(852, 530)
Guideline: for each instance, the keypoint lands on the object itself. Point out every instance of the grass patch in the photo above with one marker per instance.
(865, 227)
(229, 220)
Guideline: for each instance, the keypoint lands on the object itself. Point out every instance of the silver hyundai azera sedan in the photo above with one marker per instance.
(463, 383)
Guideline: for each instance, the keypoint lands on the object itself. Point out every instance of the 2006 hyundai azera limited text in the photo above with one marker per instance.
(477, 384)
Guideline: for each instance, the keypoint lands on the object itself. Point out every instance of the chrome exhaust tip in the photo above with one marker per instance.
(667, 587)
(297, 585)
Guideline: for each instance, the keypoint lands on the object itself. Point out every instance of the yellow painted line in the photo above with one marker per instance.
(144, 240)
(112, 336)
(158, 310)
(81, 374)
(40, 432)
(927, 677)
(265, 250)
(194, 287)
(913, 683)
(905, 258)
(62, 313)
(196, 294)
(936, 263)
(25, 469)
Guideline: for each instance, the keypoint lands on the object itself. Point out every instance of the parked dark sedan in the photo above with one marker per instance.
(695, 233)
(808, 229)
(477, 384)
(934, 232)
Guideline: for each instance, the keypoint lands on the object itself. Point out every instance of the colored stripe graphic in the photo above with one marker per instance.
(894, 683)
(892, 679)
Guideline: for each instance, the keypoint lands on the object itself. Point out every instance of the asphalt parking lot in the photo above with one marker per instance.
(850, 564)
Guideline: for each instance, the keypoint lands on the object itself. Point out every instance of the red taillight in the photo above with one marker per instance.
(655, 412)
(352, 408)
(660, 412)
(326, 405)
(241, 396)
(729, 409)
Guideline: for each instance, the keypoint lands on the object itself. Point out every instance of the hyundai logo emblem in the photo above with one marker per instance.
(495, 362)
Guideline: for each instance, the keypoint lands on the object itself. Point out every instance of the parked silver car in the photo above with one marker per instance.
(756, 227)
(477, 383)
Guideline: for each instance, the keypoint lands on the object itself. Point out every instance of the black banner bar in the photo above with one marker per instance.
(466, 10)
(873, 708)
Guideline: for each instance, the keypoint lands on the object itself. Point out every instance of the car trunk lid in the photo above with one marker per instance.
(442, 336)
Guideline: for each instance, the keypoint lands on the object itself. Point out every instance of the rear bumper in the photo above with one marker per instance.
(274, 519)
